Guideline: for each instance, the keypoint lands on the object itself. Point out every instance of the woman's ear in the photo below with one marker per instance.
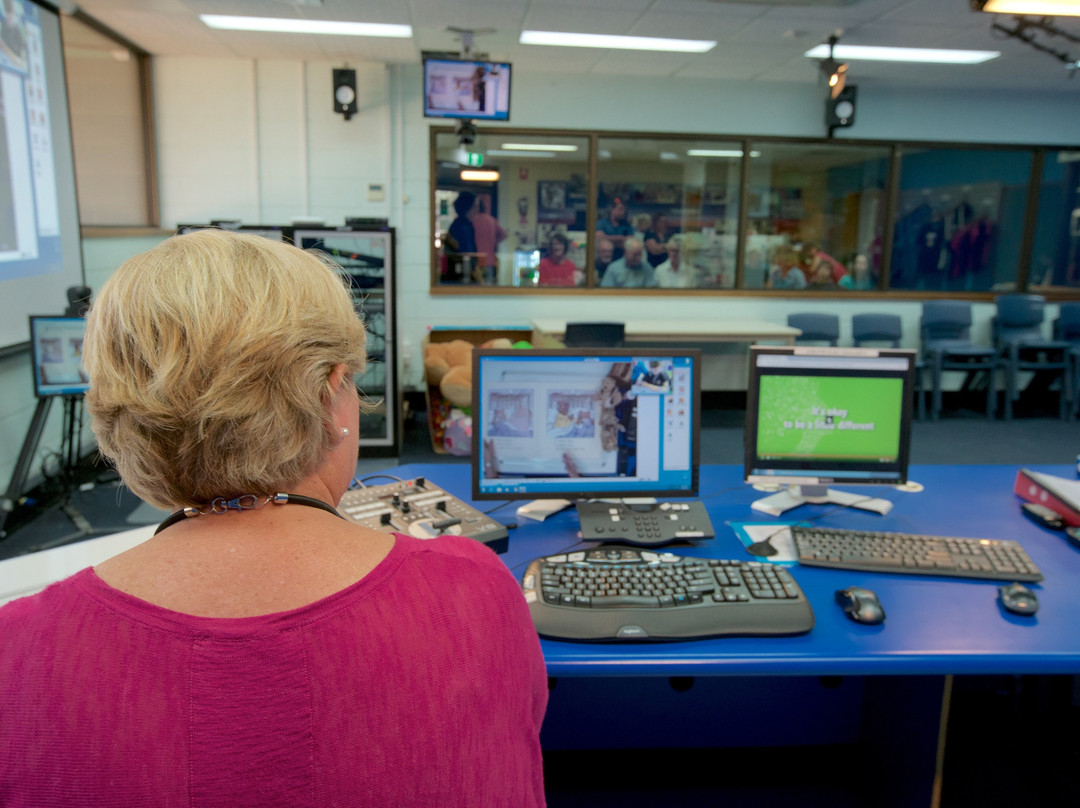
(338, 374)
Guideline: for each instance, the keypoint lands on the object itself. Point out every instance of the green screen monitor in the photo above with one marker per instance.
(822, 416)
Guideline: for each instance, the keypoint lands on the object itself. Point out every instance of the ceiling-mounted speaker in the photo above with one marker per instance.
(345, 91)
(840, 111)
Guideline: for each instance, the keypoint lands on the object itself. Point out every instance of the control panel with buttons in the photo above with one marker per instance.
(644, 524)
(421, 509)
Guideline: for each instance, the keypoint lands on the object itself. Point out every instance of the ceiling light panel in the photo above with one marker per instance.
(1048, 8)
(296, 26)
(882, 54)
(645, 43)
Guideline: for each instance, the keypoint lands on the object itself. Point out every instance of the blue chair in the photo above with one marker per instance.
(945, 331)
(1018, 337)
(816, 327)
(876, 328)
(887, 328)
(1067, 329)
(594, 335)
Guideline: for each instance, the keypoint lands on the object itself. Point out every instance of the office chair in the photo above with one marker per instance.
(1018, 337)
(945, 329)
(887, 328)
(815, 327)
(594, 335)
(1067, 329)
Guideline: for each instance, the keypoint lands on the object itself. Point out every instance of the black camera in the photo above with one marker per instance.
(466, 132)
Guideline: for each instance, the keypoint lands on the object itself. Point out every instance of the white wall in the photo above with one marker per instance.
(259, 141)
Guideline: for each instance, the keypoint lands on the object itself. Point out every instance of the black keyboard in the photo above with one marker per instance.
(912, 554)
(627, 594)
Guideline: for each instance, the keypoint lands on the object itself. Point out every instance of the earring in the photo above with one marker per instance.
(344, 432)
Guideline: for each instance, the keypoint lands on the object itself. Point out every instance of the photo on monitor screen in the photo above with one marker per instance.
(466, 89)
(57, 346)
(579, 423)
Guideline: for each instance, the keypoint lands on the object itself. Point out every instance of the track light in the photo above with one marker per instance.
(835, 71)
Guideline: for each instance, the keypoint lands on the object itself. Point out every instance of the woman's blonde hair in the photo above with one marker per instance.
(209, 359)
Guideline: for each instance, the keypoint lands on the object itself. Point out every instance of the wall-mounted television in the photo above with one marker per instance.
(459, 88)
(57, 349)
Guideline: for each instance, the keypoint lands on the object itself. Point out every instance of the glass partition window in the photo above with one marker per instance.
(815, 216)
(510, 210)
(959, 219)
(550, 211)
(1055, 254)
(667, 213)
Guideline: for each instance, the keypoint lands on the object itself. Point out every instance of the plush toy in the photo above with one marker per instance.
(448, 366)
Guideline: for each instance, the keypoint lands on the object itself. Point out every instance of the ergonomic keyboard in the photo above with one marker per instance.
(627, 594)
(913, 554)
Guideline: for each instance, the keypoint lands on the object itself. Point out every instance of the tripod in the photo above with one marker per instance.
(69, 453)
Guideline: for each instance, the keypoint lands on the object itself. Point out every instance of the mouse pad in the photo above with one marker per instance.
(752, 532)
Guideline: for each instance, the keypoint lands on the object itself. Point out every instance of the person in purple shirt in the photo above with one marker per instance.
(259, 649)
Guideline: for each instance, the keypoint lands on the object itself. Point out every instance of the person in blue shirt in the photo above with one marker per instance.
(632, 270)
(615, 228)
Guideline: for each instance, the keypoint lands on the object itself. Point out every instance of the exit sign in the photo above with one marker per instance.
(476, 159)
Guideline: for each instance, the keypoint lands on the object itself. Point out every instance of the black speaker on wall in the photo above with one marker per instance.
(345, 91)
(840, 111)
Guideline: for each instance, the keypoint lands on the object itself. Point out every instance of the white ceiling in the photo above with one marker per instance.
(759, 40)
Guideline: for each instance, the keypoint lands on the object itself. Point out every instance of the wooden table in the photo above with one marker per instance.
(729, 329)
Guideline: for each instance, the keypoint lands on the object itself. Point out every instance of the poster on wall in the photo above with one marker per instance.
(551, 204)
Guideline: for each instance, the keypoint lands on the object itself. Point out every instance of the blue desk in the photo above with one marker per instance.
(842, 682)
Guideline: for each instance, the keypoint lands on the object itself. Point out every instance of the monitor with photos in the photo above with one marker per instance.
(56, 353)
(459, 88)
(583, 423)
(819, 416)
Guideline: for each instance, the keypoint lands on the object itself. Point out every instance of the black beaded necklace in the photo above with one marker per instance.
(244, 502)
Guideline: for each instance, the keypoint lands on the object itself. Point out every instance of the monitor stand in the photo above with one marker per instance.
(795, 495)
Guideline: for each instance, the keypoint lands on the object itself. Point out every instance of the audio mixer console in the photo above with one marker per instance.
(420, 508)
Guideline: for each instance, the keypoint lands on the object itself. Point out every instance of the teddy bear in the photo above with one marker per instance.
(448, 366)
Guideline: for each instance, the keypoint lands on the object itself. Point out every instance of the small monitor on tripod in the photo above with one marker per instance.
(56, 354)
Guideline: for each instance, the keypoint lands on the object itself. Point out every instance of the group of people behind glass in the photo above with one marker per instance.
(638, 254)
(809, 267)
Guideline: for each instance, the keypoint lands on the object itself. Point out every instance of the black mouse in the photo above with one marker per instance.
(861, 605)
(1018, 599)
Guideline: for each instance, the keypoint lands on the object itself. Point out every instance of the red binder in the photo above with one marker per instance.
(1057, 493)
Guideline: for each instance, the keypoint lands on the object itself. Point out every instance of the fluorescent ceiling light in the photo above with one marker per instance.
(1049, 8)
(550, 147)
(505, 153)
(667, 155)
(929, 55)
(279, 25)
(619, 42)
(479, 176)
(719, 153)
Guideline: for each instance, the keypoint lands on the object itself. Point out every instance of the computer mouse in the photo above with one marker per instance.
(861, 605)
(1018, 599)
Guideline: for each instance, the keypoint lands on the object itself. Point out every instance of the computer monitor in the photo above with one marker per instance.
(56, 345)
(818, 416)
(583, 423)
(459, 88)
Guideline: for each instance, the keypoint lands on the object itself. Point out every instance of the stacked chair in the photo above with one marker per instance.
(945, 331)
(1021, 346)
(815, 327)
(1067, 329)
